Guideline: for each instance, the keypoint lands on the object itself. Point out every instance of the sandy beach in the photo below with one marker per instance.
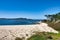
(10, 32)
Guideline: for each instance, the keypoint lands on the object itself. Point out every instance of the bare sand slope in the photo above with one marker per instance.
(10, 32)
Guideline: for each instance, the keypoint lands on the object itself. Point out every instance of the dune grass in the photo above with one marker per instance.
(45, 36)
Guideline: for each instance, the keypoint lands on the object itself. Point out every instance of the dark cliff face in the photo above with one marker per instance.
(17, 21)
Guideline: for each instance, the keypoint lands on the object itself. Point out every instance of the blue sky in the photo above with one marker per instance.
(33, 9)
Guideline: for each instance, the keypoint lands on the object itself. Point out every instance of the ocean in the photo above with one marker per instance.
(17, 22)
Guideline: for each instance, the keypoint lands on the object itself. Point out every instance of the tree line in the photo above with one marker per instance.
(53, 17)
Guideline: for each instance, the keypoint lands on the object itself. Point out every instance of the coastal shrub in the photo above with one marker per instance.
(44, 36)
(17, 38)
(37, 37)
(54, 25)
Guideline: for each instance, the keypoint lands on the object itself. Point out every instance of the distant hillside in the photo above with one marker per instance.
(17, 21)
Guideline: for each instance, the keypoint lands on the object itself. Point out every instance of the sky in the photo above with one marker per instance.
(33, 9)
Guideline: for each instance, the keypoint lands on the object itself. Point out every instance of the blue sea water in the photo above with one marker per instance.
(18, 22)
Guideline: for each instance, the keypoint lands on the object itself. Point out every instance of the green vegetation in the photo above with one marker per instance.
(45, 36)
(53, 17)
(53, 21)
(36, 37)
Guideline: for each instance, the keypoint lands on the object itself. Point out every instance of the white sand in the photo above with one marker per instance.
(10, 32)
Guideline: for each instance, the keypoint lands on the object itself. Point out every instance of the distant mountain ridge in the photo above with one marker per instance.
(18, 21)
